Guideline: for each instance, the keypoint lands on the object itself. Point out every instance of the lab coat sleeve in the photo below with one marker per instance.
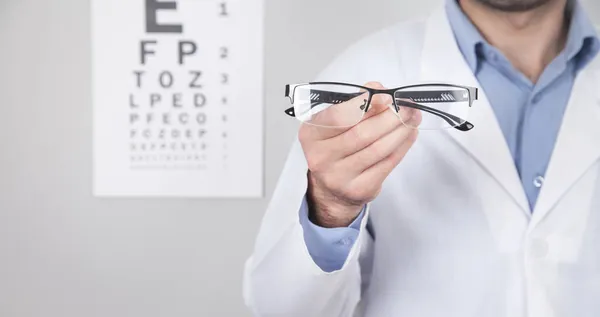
(328, 247)
(281, 278)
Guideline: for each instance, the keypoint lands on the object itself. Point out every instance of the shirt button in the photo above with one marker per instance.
(536, 98)
(538, 248)
(346, 241)
(494, 57)
(538, 181)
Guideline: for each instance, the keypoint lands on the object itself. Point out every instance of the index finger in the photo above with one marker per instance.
(336, 119)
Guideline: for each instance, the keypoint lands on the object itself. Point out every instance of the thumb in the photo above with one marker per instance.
(379, 102)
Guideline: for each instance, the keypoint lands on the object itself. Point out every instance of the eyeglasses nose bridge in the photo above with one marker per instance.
(389, 92)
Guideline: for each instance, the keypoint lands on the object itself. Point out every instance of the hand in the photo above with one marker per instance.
(347, 166)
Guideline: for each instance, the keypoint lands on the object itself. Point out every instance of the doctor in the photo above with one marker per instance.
(503, 220)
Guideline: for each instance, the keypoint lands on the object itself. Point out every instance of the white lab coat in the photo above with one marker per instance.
(453, 232)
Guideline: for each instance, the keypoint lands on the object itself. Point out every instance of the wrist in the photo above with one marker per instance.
(327, 217)
(326, 210)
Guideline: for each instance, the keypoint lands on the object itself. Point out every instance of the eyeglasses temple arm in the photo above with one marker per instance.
(436, 96)
(463, 125)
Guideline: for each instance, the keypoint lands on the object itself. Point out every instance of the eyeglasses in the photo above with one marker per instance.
(337, 105)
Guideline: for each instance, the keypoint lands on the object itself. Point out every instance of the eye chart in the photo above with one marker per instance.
(178, 98)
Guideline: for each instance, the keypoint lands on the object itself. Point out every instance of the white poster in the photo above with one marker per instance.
(178, 98)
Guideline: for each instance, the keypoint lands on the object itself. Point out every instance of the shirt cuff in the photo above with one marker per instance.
(329, 247)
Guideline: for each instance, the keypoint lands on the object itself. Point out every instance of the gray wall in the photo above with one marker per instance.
(64, 253)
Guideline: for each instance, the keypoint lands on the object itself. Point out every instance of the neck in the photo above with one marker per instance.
(530, 40)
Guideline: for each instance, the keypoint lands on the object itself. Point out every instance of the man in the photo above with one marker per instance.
(503, 220)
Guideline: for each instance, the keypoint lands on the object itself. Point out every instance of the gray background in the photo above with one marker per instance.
(64, 253)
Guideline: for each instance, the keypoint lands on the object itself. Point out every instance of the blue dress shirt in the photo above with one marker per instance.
(529, 114)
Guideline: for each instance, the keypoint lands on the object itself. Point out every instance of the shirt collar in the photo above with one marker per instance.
(467, 36)
(583, 43)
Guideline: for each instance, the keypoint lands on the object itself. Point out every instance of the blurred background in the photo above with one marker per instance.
(65, 253)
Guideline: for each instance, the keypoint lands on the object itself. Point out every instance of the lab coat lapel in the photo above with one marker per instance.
(442, 61)
(578, 142)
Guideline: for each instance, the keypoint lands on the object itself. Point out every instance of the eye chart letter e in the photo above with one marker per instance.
(178, 98)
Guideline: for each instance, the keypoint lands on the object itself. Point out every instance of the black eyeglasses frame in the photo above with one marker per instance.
(461, 124)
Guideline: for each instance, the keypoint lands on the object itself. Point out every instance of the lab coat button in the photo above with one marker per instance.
(538, 248)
